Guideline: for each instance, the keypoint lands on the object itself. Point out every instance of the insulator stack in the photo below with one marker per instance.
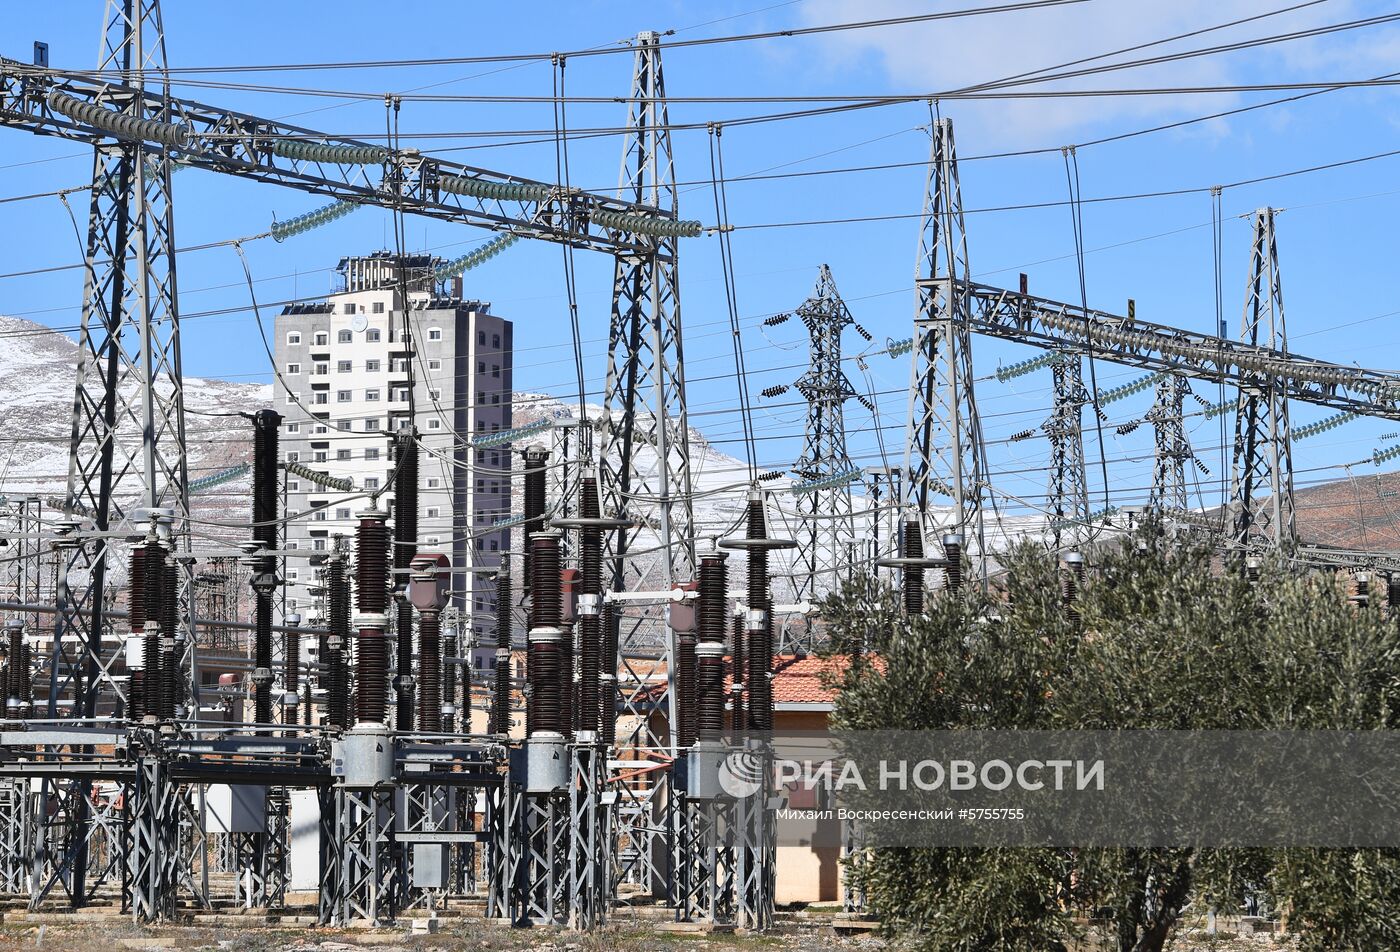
(500, 700)
(372, 598)
(709, 622)
(405, 545)
(952, 558)
(736, 687)
(151, 584)
(546, 606)
(169, 662)
(429, 672)
(913, 574)
(14, 669)
(291, 674)
(566, 679)
(1072, 584)
(449, 679)
(1392, 592)
(546, 668)
(338, 639)
(760, 627)
(686, 689)
(26, 678)
(136, 608)
(607, 677)
(266, 425)
(589, 620)
(544, 713)
(536, 457)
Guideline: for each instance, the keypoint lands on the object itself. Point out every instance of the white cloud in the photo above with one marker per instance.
(952, 53)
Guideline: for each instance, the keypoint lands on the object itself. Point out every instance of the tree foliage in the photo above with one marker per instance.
(1167, 639)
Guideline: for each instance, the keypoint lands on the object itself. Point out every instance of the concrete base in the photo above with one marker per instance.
(847, 924)
(696, 928)
(426, 926)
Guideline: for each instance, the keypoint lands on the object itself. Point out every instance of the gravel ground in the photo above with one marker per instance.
(469, 934)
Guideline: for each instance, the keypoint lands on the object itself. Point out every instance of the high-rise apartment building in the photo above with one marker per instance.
(343, 390)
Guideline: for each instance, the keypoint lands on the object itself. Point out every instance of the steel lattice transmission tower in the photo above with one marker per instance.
(1069, 489)
(827, 537)
(127, 449)
(645, 453)
(1173, 449)
(128, 374)
(945, 456)
(1261, 504)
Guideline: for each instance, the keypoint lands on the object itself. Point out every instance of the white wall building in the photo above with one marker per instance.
(343, 372)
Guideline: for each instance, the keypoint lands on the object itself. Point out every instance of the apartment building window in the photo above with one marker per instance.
(495, 399)
(481, 366)
(342, 454)
(432, 540)
(319, 515)
(404, 423)
(343, 512)
(435, 333)
(318, 544)
(343, 366)
(321, 339)
(435, 394)
(342, 396)
(293, 338)
(372, 366)
(293, 427)
(319, 428)
(433, 512)
(496, 370)
(349, 308)
(344, 337)
(496, 341)
(372, 425)
(292, 573)
(372, 395)
(291, 399)
(379, 307)
(434, 364)
(343, 425)
(320, 456)
(434, 482)
(293, 369)
(293, 485)
(319, 397)
(321, 368)
(372, 452)
(435, 424)
(293, 457)
(371, 482)
(372, 335)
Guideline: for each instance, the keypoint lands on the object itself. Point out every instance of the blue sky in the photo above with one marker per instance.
(1336, 240)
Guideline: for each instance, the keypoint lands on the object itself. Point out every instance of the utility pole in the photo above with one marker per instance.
(1261, 505)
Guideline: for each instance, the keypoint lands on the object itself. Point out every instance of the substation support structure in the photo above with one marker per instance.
(1069, 489)
(372, 865)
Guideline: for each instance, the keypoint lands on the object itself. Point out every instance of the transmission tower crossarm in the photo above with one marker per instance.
(76, 107)
(1043, 322)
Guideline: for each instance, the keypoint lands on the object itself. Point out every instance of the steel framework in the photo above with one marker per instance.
(1261, 503)
(827, 534)
(1069, 490)
(945, 456)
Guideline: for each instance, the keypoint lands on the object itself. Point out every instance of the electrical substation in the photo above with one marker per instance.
(539, 726)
